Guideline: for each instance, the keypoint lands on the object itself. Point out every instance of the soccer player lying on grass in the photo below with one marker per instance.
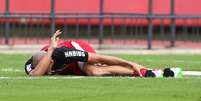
(79, 58)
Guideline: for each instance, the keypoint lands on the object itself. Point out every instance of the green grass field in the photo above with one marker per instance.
(18, 87)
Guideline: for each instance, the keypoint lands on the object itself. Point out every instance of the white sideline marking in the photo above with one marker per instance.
(185, 73)
(175, 61)
(191, 73)
(11, 70)
(67, 77)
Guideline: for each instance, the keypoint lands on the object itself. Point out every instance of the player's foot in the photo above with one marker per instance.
(149, 73)
(154, 73)
(172, 72)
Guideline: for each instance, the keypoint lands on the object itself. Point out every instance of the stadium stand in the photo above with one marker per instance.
(127, 20)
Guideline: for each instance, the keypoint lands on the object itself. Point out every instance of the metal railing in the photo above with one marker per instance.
(127, 28)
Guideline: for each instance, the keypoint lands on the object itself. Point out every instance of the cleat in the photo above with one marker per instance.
(154, 73)
(177, 72)
(168, 73)
(149, 73)
(172, 72)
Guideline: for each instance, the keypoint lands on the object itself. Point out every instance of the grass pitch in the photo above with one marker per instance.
(59, 88)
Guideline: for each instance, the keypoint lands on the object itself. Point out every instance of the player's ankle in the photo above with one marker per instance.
(150, 73)
(154, 73)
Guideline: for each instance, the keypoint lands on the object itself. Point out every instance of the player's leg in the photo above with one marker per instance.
(94, 70)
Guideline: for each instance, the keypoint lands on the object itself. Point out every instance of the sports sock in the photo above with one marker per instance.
(142, 71)
(149, 73)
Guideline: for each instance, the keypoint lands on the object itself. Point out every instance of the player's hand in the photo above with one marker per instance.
(137, 68)
(55, 39)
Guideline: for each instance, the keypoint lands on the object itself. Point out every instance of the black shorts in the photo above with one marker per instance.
(62, 56)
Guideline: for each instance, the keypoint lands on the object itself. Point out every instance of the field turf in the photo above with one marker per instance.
(16, 86)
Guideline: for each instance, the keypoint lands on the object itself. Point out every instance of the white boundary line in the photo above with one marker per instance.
(60, 77)
(69, 78)
(11, 70)
(192, 73)
(185, 73)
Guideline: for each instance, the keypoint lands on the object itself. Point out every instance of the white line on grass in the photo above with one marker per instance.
(58, 77)
(185, 73)
(175, 61)
(11, 70)
(66, 78)
(192, 73)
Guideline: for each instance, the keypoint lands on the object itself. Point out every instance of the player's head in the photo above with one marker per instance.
(34, 60)
(37, 57)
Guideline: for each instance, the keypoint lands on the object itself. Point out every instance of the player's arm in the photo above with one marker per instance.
(44, 65)
(111, 60)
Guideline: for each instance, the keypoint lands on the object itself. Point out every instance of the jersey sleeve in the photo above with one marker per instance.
(66, 55)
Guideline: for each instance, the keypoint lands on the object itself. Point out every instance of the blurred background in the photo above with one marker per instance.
(146, 24)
